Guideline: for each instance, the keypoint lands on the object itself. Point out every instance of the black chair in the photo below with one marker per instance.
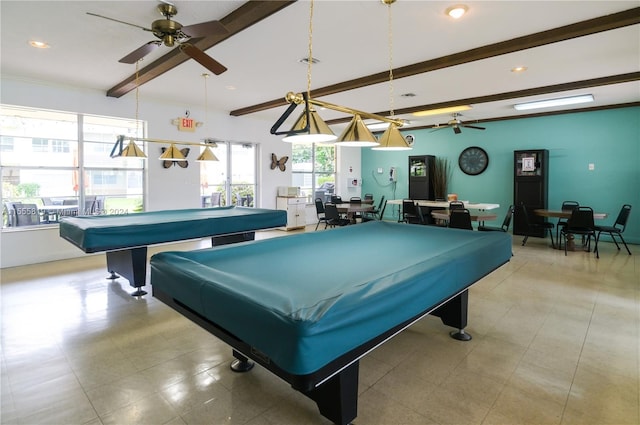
(460, 218)
(320, 213)
(580, 223)
(27, 215)
(333, 217)
(505, 223)
(384, 207)
(356, 200)
(410, 212)
(567, 206)
(521, 217)
(375, 214)
(368, 196)
(616, 230)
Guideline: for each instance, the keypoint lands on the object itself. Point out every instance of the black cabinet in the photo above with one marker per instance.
(421, 177)
(530, 185)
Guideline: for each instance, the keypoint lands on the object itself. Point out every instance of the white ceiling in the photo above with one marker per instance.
(351, 40)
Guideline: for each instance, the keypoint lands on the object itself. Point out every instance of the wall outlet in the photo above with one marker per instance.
(592, 166)
(380, 170)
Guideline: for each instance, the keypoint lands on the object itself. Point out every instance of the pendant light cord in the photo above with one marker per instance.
(137, 98)
(390, 34)
(310, 58)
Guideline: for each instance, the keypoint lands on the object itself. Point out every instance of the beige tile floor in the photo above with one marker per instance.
(555, 341)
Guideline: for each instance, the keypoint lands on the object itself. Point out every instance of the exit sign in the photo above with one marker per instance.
(187, 124)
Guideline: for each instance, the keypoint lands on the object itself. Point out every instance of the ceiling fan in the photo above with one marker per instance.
(170, 33)
(456, 124)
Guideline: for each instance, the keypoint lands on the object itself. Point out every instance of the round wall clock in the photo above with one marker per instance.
(473, 160)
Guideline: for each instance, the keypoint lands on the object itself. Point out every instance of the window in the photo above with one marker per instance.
(313, 170)
(232, 179)
(53, 158)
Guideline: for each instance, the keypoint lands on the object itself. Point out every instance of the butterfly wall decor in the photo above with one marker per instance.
(183, 164)
(279, 163)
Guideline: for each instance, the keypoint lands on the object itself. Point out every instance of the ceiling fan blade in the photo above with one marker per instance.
(456, 129)
(202, 58)
(116, 20)
(140, 52)
(473, 126)
(205, 28)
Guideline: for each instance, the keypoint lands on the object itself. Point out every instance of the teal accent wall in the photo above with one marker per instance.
(609, 139)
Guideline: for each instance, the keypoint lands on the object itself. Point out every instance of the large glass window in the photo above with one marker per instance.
(313, 170)
(57, 163)
(232, 179)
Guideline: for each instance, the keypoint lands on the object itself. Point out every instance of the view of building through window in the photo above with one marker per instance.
(313, 168)
(57, 163)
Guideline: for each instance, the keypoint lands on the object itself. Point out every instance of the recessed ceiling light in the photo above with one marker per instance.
(440, 111)
(38, 44)
(548, 103)
(519, 69)
(456, 11)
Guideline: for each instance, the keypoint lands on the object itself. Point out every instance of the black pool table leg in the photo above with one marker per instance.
(454, 313)
(337, 398)
(241, 363)
(132, 265)
(232, 238)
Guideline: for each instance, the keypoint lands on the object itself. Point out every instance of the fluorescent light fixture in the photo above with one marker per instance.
(561, 101)
(442, 111)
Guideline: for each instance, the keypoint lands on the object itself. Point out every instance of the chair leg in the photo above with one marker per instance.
(553, 245)
(625, 244)
(595, 248)
(524, 241)
(317, 224)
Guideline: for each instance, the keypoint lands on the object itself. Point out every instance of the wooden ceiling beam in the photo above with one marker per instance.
(555, 88)
(567, 32)
(243, 17)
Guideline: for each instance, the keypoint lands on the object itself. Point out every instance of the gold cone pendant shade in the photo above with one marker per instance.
(172, 154)
(207, 155)
(357, 134)
(318, 132)
(133, 150)
(392, 140)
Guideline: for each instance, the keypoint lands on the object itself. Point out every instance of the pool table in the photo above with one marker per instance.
(125, 237)
(308, 306)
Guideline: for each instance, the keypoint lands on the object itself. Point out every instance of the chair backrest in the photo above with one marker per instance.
(581, 219)
(336, 199)
(569, 205)
(69, 202)
(409, 207)
(319, 206)
(215, 199)
(507, 219)
(456, 205)
(384, 207)
(46, 201)
(355, 200)
(27, 215)
(11, 212)
(381, 203)
(368, 196)
(331, 212)
(623, 216)
(460, 219)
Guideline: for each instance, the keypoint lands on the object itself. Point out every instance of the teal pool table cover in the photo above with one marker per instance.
(305, 299)
(112, 232)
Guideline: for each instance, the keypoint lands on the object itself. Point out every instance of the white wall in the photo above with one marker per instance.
(171, 188)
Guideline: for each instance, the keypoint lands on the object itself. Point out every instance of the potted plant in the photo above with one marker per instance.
(441, 176)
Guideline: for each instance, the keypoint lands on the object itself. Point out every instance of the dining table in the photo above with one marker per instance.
(542, 212)
(351, 209)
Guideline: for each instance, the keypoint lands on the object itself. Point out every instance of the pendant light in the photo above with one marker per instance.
(172, 154)
(357, 135)
(207, 154)
(391, 139)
